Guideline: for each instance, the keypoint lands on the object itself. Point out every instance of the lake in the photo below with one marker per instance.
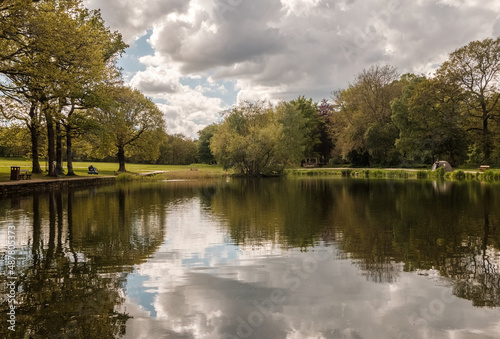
(263, 258)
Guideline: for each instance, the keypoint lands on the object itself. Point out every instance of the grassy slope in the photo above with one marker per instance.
(104, 168)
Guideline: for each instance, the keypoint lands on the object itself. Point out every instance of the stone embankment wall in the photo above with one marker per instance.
(28, 186)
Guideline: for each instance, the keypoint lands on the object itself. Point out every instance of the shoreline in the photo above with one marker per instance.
(21, 187)
(393, 173)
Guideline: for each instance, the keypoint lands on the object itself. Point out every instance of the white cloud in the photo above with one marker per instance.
(133, 17)
(157, 81)
(299, 7)
(189, 111)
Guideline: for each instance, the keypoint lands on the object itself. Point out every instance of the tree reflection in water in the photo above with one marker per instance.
(382, 226)
(477, 274)
(80, 247)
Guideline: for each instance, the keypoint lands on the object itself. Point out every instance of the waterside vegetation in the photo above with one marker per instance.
(488, 175)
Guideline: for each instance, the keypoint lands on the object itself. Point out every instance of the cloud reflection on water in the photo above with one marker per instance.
(199, 284)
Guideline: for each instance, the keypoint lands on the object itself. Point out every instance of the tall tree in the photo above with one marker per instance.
(326, 145)
(14, 23)
(205, 155)
(362, 124)
(428, 116)
(309, 112)
(124, 119)
(66, 51)
(103, 73)
(258, 139)
(475, 68)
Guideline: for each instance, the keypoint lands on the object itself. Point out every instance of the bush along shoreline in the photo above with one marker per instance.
(192, 174)
(486, 176)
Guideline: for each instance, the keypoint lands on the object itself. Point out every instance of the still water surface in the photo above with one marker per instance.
(287, 258)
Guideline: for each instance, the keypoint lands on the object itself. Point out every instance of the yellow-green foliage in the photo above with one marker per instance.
(438, 173)
(376, 174)
(457, 175)
(313, 172)
(259, 139)
(191, 174)
(490, 175)
(127, 177)
(422, 174)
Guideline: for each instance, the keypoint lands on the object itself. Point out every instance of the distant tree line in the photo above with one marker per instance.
(381, 119)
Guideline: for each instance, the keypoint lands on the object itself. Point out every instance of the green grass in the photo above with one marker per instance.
(108, 169)
(202, 171)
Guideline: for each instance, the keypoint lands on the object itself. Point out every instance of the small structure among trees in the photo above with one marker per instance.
(442, 164)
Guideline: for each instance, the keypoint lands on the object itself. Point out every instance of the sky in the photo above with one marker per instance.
(197, 58)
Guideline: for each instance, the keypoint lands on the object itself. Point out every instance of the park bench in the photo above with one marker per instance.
(25, 174)
(483, 168)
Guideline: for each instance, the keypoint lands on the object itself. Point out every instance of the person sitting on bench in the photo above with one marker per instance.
(92, 170)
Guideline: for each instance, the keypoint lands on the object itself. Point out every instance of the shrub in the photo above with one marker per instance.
(489, 175)
(126, 177)
(346, 172)
(471, 176)
(457, 175)
(439, 173)
(422, 174)
(377, 174)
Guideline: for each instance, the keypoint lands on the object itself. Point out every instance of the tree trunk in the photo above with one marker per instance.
(59, 150)
(35, 133)
(121, 159)
(486, 140)
(36, 168)
(69, 150)
(69, 144)
(51, 150)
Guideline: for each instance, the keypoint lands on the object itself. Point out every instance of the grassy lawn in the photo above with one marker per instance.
(104, 168)
(194, 171)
